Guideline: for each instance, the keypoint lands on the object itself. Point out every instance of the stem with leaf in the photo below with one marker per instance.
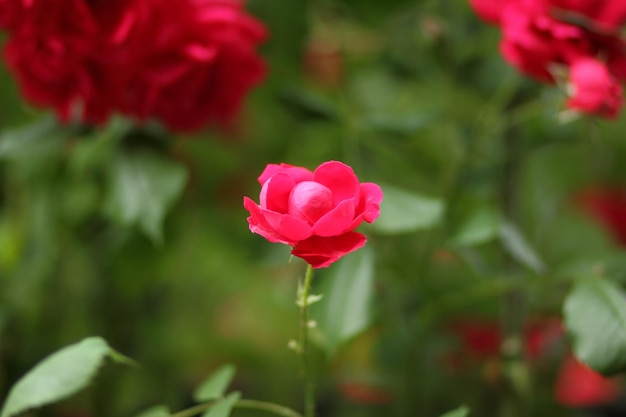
(276, 409)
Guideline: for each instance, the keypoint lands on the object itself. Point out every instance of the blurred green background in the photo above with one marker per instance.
(413, 95)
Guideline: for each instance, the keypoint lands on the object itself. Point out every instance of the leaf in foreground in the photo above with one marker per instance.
(59, 376)
(462, 411)
(215, 385)
(156, 411)
(404, 212)
(224, 406)
(595, 318)
(345, 311)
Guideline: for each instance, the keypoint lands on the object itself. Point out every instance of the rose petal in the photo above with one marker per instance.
(579, 386)
(310, 200)
(259, 225)
(371, 196)
(292, 228)
(488, 10)
(339, 178)
(336, 221)
(320, 252)
(275, 192)
(296, 173)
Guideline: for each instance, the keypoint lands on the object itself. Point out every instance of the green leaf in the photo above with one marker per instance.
(404, 212)
(97, 149)
(144, 186)
(403, 124)
(224, 406)
(517, 246)
(345, 311)
(481, 226)
(59, 376)
(36, 139)
(215, 385)
(595, 318)
(462, 411)
(308, 104)
(156, 411)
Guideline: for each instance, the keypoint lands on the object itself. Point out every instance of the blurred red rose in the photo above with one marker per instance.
(594, 89)
(314, 212)
(607, 205)
(53, 53)
(577, 385)
(185, 63)
(532, 40)
(607, 15)
(583, 34)
(200, 63)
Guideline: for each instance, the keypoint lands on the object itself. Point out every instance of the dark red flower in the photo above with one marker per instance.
(201, 63)
(607, 205)
(577, 385)
(185, 63)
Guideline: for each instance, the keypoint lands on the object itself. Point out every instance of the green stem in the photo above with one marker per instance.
(514, 304)
(250, 404)
(303, 346)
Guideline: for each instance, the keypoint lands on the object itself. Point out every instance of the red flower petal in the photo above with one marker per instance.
(339, 178)
(336, 221)
(292, 228)
(488, 10)
(371, 196)
(320, 252)
(297, 173)
(259, 225)
(310, 200)
(275, 193)
(579, 386)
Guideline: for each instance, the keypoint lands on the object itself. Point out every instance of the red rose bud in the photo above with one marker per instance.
(315, 213)
(594, 89)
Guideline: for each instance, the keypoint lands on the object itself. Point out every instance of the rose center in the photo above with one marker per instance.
(310, 200)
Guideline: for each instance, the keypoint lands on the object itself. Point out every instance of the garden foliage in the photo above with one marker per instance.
(454, 172)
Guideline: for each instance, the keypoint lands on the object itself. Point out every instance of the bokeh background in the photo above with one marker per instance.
(414, 96)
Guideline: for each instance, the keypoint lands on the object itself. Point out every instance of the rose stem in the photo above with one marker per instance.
(303, 346)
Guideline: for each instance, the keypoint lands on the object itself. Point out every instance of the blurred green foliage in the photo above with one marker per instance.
(139, 236)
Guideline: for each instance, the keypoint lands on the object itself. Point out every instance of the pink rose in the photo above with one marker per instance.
(314, 212)
(594, 89)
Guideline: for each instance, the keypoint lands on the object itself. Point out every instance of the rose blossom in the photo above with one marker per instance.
(201, 63)
(576, 384)
(605, 204)
(186, 63)
(594, 90)
(581, 34)
(314, 212)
